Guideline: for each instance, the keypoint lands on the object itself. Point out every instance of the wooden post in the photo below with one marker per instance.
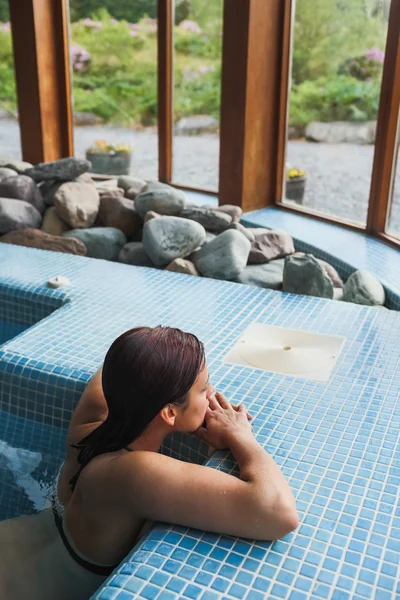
(165, 88)
(251, 75)
(386, 133)
(40, 40)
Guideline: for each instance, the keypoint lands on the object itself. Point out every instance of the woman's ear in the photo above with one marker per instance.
(168, 414)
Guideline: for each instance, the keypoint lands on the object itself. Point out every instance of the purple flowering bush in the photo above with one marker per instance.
(80, 59)
(364, 67)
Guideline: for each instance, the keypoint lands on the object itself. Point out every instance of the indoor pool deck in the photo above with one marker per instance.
(337, 443)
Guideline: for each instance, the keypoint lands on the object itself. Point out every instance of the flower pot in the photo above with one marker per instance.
(295, 189)
(113, 163)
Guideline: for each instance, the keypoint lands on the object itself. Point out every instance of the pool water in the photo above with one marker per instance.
(30, 456)
(9, 330)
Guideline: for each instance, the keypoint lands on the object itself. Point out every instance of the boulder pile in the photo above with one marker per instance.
(57, 206)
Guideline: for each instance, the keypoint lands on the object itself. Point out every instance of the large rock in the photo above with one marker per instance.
(17, 214)
(135, 254)
(230, 209)
(225, 257)
(86, 178)
(196, 124)
(304, 275)
(362, 288)
(165, 200)
(244, 230)
(126, 182)
(167, 238)
(52, 224)
(34, 238)
(119, 212)
(330, 271)
(212, 220)
(270, 245)
(101, 242)
(24, 188)
(342, 132)
(180, 265)
(6, 172)
(77, 203)
(269, 275)
(20, 166)
(65, 169)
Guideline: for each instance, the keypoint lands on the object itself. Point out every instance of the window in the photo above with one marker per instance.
(197, 59)
(393, 220)
(10, 144)
(113, 53)
(336, 75)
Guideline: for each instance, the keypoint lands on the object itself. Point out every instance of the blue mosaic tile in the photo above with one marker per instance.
(344, 249)
(335, 442)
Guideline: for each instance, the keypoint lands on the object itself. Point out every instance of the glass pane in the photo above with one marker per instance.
(113, 50)
(393, 220)
(197, 90)
(10, 142)
(338, 53)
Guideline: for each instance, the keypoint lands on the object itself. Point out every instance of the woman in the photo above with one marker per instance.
(114, 482)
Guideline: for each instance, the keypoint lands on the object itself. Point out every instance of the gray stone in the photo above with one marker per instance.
(225, 257)
(230, 209)
(77, 204)
(196, 124)
(330, 271)
(270, 245)
(180, 265)
(119, 212)
(246, 232)
(126, 182)
(24, 188)
(135, 254)
(65, 169)
(6, 172)
(101, 242)
(363, 288)
(17, 214)
(212, 220)
(304, 275)
(269, 275)
(342, 132)
(52, 224)
(167, 238)
(17, 165)
(86, 118)
(34, 238)
(166, 201)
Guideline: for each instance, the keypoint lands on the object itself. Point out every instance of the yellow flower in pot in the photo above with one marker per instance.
(295, 184)
(109, 159)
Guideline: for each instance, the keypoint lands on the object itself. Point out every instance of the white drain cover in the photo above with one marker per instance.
(289, 351)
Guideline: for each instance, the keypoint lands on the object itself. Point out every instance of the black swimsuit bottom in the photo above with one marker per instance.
(93, 568)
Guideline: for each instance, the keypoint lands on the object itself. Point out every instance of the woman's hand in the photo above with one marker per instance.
(222, 421)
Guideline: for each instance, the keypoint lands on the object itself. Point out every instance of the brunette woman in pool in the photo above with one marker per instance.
(114, 482)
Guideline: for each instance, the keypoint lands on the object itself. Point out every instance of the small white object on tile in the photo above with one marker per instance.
(59, 281)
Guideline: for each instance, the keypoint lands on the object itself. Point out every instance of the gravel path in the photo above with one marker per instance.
(338, 175)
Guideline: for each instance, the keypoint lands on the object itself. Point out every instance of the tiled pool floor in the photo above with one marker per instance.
(337, 443)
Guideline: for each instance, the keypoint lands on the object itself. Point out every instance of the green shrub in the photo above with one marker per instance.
(338, 99)
(364, 67)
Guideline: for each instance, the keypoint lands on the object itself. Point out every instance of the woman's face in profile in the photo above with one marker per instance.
(199, 399)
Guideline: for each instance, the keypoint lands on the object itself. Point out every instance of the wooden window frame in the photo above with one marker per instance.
(387, 128)
(42, 72)
(254, 101)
